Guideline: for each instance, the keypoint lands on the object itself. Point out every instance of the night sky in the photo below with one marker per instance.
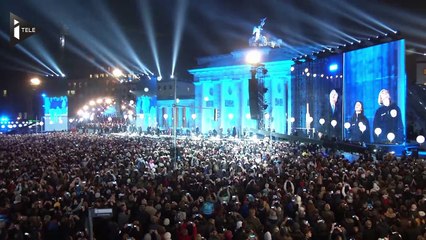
(210, 27)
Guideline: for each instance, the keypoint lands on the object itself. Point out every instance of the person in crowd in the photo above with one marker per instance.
(217, 190)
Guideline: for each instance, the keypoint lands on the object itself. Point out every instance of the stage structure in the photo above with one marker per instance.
(317, 84)
(257, 91)
(376, 77)
(356, 95)
(145, 95)
(55, 113)
(146, 110)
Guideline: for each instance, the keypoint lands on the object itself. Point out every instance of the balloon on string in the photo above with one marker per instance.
(378, 131)
(347, 125)
(362, 128)
(391, 136)
(420, 139)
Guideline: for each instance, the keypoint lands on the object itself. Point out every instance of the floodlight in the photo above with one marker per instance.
(35, 81)
(117, 72)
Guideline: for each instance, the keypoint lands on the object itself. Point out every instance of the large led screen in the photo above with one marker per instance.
(375, 93)
(317, 98)
(146, 111)
(55, 113)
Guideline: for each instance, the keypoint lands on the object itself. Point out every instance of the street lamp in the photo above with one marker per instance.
(194, 116)
(253, 57)
(117, 72)
(165, 116)
(35, 81)
(257, 71)
(267, 116)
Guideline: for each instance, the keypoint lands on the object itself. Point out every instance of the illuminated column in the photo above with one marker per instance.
(198, 103)
(184, 117)
(217, 98)
(225, 123)
(238, 106)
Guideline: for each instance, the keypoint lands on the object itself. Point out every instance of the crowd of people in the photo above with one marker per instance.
(212, 190)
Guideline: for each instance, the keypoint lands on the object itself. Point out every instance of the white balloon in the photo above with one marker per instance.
(322, 121)
(347, 125)
(333, 123)
(362, 127)
(393, 113)
(391, 136)
(420, 139)
(378, 131)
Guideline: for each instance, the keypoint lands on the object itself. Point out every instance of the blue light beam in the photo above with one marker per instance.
(180, 19)
(28, 53)
(147, 21)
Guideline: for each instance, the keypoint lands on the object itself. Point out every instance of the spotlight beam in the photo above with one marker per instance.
(363, 15)
(38, 46)
(28, 53)
(86, 38)
(26, 66)
(98, 49)
(82, 37)
(35, 58)
(416, 52)
(350, 16)
(147, 21)
(120, 35)
(180, 18)
(82, 55)
(417, 45)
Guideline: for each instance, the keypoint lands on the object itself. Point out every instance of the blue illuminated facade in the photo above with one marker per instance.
(221, 82)
(146, 111)
(185, 114)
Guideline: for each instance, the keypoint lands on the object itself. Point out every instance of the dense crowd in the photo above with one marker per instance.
(213, 190)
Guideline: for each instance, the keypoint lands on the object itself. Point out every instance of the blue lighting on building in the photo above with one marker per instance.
(110, 111)
(225, 85)
(146, 112)
(333, 67)
(4, 119)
